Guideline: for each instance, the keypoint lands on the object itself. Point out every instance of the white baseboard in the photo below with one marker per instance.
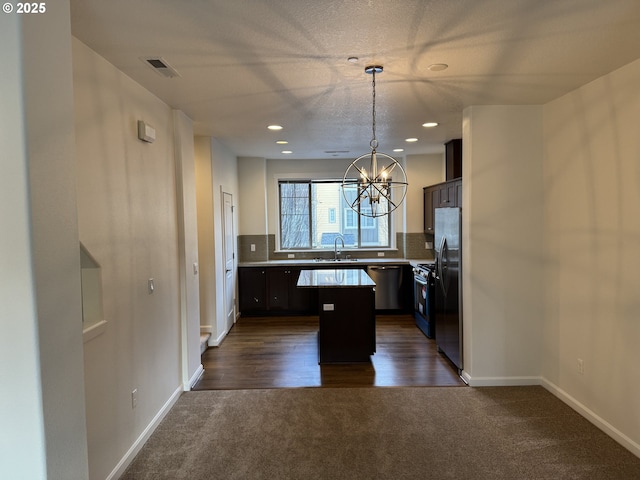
(598, 421)
(563, 396)
(144, 436)
(499, 381)
(215, 342)
(194, 378)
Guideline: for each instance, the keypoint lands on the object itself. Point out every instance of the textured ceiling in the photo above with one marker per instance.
(246, 64)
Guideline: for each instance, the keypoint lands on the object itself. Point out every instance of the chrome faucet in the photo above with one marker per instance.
(337, 252)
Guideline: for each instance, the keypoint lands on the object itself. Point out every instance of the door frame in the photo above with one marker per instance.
(225, 244)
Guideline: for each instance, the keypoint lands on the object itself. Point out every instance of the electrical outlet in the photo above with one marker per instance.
(253, 247)
(381, 254)
(291, 255)
(428, 245)
(581, 366)
(134, 398)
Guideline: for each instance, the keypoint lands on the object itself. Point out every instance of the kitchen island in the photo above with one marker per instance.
(346, 307)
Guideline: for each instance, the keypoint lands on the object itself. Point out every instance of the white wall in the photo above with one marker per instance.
(22, 444)
(502, 243)
(188, 248)
(128, 222)
(592, 233)
(422, 171)
(216, 171)
(43, 427)
(206, 254)
(252, 201)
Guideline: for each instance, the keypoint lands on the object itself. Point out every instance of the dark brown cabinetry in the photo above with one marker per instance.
(348, 329)
(284, 295)
(272, 290)
(252, 285)
(446, 194)
(449, 193)
(453, 158)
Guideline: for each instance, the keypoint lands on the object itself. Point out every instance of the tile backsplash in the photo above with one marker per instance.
(261, 248)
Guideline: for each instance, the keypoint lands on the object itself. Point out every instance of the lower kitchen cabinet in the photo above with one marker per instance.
(283, 294)
(273, 291)
(348, 329)
(252, 287)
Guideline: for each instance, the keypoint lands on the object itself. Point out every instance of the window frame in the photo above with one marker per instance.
(341, 222)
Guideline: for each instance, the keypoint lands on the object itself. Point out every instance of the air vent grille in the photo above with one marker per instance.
(160, 65)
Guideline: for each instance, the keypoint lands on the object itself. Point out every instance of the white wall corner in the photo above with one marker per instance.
(594, 418)
(144, 436)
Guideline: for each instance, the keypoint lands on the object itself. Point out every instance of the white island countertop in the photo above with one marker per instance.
(325, 278)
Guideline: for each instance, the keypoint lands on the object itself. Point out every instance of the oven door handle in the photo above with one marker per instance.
(420, 280)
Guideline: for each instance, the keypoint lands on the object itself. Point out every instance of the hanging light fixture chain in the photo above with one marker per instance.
(373, 114)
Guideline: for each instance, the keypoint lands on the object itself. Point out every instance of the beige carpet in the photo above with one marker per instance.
(379, 433)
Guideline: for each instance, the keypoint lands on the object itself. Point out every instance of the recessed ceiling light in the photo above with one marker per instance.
(274, 127)
(282, 142)
(411, 140)
(353, 59)
(430, 124)
(398, 150)
(287, 152)
(438, 67)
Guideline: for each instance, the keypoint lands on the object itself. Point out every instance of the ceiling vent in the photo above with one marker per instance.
(161, 66)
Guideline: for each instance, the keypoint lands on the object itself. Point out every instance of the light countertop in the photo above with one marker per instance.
(325, 278)
(350, 263)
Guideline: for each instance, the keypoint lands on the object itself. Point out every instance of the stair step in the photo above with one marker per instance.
(204, 342)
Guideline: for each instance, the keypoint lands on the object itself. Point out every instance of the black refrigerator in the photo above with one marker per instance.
(448, 286)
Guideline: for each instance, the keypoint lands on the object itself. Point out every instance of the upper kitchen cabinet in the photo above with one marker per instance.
(446, 194)
(453, 158)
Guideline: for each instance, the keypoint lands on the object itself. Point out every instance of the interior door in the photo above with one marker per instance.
(229, 259)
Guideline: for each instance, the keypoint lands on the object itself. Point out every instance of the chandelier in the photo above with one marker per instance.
(374, 186)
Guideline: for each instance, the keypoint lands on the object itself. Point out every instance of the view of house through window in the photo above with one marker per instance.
(313, 213)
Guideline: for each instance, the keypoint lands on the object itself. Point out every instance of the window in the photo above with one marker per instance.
(295, 215)
(314, 212)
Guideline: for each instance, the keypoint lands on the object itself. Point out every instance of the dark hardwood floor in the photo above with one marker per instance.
(282, 352)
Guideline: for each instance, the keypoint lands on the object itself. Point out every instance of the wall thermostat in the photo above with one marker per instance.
(146, 133)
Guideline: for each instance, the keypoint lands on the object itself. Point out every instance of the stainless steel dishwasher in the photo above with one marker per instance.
(388, 280)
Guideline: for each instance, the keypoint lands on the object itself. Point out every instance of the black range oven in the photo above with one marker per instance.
(423, 298)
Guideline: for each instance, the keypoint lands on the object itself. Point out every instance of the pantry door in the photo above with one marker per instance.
(229, 259)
